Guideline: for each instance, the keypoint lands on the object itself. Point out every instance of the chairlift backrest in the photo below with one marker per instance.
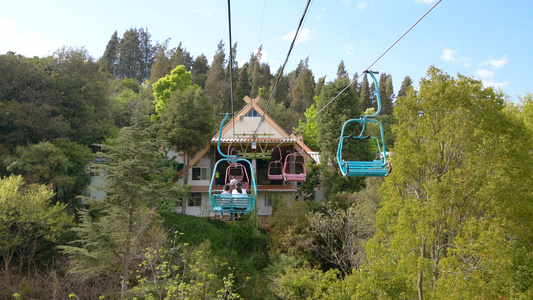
(378, 167)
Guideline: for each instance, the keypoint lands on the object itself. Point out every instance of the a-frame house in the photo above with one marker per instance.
(254, 135)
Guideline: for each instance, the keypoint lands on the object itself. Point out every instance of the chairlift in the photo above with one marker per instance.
(232, 204)
(275, 167)
(294, 167)
(237, 170)
(375, 168)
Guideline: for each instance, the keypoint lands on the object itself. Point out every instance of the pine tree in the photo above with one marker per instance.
(242, 87)
(329, 124)
(147, 52)
(366, 101)
(254, 73)
(179, 56)
(302, 91)
(130, 56)
(386, 94)
(406, 83)
(161, 65)
(109, 61)
(199, 70)
(216, 85)
(115, 229)
(341, 71)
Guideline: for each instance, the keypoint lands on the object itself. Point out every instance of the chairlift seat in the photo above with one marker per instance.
(230, 204)
(374, 168)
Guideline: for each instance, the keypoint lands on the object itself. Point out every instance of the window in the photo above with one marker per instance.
(200, 173)
(253, 113)
(195, 199)
(269, 200)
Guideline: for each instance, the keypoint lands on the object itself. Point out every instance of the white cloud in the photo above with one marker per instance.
(264, 56)
(487, 79)
(202, 12)
(485, 73)
(362, 5)
(448, 55)
(488, 83)
(305, 35)
(495, 63)
(25, 42)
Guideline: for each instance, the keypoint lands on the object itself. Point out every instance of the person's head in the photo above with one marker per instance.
(226, 187)
(238, 187)
(232, 176)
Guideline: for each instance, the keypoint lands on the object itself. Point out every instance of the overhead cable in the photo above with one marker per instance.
(280, 73)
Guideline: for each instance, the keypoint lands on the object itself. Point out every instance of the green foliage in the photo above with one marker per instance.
(178, 80)
(288, 226)
(217, 84)
(61, 164)
(82, 91)
(118, 227)
(302, 88)
(329, 124)
(239, 244)
(340, 231)
(290, 278)
(55, 97)
(27, 220)
(456, 206)
(180, 122)
(183, 272)
(309, 126)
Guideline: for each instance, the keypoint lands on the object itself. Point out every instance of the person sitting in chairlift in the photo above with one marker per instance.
(238, 190)
(233, 181)
(226, 190)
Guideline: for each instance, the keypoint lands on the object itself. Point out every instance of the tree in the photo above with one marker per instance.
(341, 229)
(216, 84)
(109, 61)
(179, 79)
(181, 57)
(182, 127)
(130, 56)
(79, 156)
(302, 90)
(454, 211)
(115, 229)
(242, 88)
(41, 163)
(199, 70)
(27, 219)
(29, 105)
(406, 83)
(162, 65)
(366, 101)
(82, 90)
(320, 84)
(329, 124)
(386, 94)
(341, 71)
(309, 127)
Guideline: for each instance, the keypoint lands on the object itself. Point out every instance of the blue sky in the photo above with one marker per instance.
(490, 40)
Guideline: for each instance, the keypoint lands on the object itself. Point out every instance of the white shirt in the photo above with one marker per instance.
(235, 192)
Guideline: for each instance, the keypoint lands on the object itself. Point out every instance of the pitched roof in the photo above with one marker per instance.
(246, 127)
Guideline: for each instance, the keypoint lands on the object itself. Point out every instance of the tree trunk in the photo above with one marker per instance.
(185, 183)
(420, 272)
(126, 259)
